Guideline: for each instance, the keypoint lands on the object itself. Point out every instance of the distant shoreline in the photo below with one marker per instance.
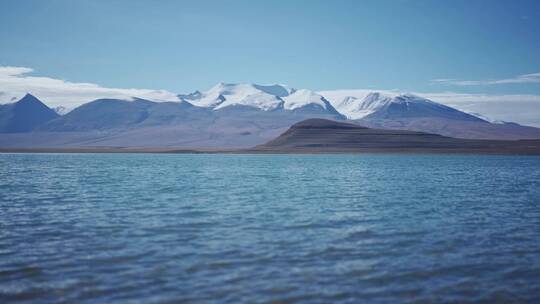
(253, 151)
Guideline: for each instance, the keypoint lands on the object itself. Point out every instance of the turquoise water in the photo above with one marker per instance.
(131, 228)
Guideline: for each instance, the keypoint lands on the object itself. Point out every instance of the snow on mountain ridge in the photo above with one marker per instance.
(353, 104)
(265, 97)
(263, 101)
(357, 104)
(302, 98)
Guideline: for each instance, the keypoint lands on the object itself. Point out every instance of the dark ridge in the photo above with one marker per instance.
(327, 136)
(319, 123)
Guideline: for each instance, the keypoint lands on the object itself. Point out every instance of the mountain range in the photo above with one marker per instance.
(234, 115)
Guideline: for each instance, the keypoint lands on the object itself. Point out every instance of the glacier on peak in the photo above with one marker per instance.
(302, 98)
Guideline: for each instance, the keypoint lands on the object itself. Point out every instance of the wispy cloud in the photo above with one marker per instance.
(14, 71)
(15, 82)
(526, 78)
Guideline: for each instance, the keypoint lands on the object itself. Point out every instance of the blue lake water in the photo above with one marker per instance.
(156, 228)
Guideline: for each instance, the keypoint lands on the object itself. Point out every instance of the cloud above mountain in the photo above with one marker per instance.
(15, 82)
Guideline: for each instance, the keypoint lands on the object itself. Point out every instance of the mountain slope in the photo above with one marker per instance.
(138, 122)
(101, 114)
(24, 115)
(412, 106)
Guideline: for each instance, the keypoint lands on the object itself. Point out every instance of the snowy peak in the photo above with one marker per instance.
(409, 98)
(410, 106)
(361, 104)
(356, 104)
(303, 98)
(263, 97)
(371, 103)
(259, 100)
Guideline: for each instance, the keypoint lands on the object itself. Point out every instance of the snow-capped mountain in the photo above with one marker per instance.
(306, 98)
(393, 110)
(356, 104)
(353, 104)
(224, 95)
(363, 104)
(262, 97)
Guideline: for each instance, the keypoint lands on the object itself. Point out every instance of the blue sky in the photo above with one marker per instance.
(181, 46)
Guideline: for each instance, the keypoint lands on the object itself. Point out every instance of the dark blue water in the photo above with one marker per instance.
(132, 228)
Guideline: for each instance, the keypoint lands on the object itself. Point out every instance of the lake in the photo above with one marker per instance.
(172, 228)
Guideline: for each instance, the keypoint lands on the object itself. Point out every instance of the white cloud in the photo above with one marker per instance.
(526, 78)
(14, 71)
(15, 83)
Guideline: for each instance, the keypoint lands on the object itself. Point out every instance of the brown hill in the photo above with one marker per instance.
(327, 136)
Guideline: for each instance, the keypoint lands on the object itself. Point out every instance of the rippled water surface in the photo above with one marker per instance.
(132, 228)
